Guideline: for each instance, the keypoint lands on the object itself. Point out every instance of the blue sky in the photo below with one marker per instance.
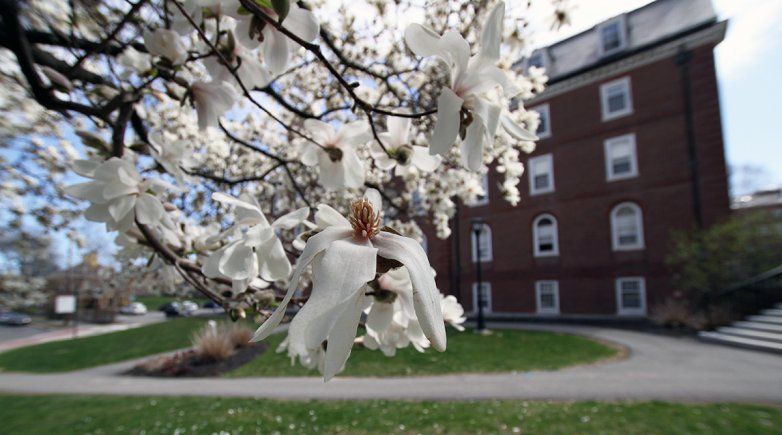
(749, 66)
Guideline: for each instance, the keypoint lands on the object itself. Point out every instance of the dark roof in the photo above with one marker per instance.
(644, 27)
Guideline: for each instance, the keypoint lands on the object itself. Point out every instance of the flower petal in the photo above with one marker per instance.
(326, 216)
(273, 262)
(302, 23)
(121, 206)
(516, 130)
(398, 129)
(354, 168)
(426, 297)
(238, 261)
(315, 245)
(472, 146)
(380, 316)
(275, 50)
(491, 34)
(449, 105)
(149, 210)
(422, 40)
(290, 220)
(342, 335)
(336, 277)
(423, 161)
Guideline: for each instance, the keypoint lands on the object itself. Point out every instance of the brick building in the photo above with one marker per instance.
(631, 149)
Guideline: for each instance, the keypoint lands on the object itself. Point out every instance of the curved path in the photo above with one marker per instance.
(656, 368)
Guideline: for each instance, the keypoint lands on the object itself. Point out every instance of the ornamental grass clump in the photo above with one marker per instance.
(212, 343)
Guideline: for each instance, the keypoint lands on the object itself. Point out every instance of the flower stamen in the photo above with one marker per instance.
(364, 219)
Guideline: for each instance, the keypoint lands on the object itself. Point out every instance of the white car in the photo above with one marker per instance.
(135, 308)
(189, 307)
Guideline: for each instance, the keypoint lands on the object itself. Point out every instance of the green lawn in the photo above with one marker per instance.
(60, 356)
(167, 415)
(467, 352)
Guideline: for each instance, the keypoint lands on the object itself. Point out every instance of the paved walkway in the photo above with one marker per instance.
(656, 368)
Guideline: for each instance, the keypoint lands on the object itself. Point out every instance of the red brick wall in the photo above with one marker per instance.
(587, 266)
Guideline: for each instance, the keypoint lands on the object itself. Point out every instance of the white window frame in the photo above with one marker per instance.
(544, 112)
(536, 237)
(622, 28)
(484, 200)
(622, 311)
(605, 89)
(487, 286)
(539, 299)
(639, 221)
(474, 247)
(608, 146)
(531, 174)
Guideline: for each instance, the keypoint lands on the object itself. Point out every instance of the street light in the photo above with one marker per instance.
(477, 227)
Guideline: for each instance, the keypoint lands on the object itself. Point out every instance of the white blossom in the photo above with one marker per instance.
(399, 152)
(464, 109)
(344, 259)
(118, 195)
(256, 252)
(335, 153)
(166, 43)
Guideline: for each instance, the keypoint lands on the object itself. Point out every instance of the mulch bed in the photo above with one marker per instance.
(188, 364)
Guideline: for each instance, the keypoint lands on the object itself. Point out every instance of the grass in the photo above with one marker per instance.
(166, 415)
(503, 351)
(61, 356)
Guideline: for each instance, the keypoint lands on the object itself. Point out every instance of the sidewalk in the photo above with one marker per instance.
(657, 368)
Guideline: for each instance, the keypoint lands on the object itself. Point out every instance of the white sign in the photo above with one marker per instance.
(65, 304)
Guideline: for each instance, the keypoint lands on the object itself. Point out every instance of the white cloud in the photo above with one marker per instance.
(752, 31)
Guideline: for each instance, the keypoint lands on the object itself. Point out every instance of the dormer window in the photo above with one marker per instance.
(612, 36)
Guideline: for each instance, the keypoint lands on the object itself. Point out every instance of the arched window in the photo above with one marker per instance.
(627, 230)
(544, 236)
(481, 249)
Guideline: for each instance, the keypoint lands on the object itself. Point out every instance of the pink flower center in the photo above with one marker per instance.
(364, 220)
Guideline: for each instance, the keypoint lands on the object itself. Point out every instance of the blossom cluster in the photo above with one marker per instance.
(248, 115)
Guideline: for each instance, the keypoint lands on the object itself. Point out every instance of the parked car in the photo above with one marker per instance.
(14, 319)
(211, 304)
(135, 308)
(172, 309)
(189, 306)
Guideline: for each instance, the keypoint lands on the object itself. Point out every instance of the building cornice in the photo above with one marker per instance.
(710, 35)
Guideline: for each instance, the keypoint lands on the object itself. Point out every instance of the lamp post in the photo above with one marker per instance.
(477, 226)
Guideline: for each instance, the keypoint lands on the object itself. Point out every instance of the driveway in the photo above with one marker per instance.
(656, 368)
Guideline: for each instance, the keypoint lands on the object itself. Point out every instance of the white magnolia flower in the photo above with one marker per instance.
(337, 159)
(250, 70)
(166, 43)
(463, 109)
(211, 101)
(174, 156)
(344, 258)
(258, 251)
(403, 155)
(453, 312)
(119, 195)
(391, 313)
(134, 60)
(275, 46)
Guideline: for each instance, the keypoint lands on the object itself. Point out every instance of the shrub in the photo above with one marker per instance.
(212, 344)
(239, 334)
(673, 313)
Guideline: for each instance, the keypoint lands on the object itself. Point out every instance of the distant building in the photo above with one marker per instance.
(631, 149)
